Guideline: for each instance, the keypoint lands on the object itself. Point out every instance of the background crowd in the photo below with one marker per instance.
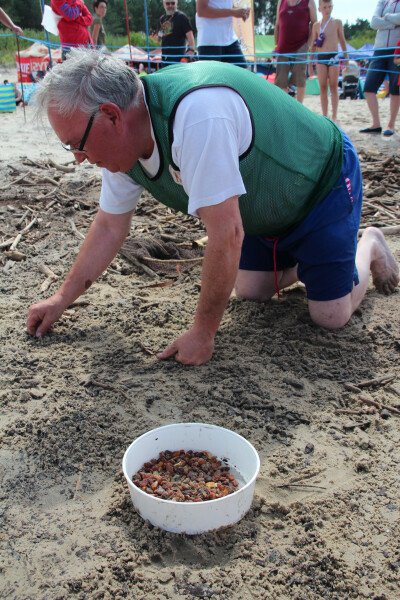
(300, 27)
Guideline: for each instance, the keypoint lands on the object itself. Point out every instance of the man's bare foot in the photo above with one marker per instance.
(384, 268)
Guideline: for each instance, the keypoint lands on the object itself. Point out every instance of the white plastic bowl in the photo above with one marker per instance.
(194, 517)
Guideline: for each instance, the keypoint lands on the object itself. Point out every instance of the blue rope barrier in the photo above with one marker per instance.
(265, 58)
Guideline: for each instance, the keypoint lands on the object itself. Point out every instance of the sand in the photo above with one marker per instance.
(325, 517)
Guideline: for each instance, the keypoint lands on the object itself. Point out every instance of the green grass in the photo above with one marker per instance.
(8, 44)
(364, 38)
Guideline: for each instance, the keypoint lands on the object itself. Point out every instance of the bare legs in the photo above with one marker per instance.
(260, 285)
(373, 255)
(394, 109)
(328, 77)
(322, 72)
(373, 106)
(300, 93)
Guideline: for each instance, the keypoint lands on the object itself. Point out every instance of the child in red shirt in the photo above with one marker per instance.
(73, 27)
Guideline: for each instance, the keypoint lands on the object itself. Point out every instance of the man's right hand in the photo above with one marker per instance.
(17, 30)
(42, 315)
(241, 13)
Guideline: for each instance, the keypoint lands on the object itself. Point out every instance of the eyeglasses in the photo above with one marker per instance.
(170, 3)
(82, 143)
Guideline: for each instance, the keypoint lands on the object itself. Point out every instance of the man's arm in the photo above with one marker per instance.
(203, 10)
(378, 22)
(276, 30)
(393, 18)
(313, 19)
(7, 22)
(95, 33)
(190, 41)
(86, 17)
(105, 237)
(223, 223)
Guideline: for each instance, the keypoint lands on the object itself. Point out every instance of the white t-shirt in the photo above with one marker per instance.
(212, 128)
(216, 32)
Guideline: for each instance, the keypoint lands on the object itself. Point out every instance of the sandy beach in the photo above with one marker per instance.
(322, 408)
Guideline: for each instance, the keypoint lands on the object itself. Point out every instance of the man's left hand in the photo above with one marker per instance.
(192, 348)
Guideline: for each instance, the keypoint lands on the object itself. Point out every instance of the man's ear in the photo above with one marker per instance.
(112, 112)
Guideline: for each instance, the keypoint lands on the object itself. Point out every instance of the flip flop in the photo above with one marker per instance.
(388, 132)
(371, 130)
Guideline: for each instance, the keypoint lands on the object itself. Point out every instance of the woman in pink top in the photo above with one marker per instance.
(294, 19)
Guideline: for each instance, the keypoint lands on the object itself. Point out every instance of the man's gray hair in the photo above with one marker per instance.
(84, 81)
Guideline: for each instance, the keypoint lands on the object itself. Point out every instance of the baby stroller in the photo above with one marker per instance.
(350, 81)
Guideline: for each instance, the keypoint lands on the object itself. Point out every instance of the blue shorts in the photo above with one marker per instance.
(324, 244)
(378, 68)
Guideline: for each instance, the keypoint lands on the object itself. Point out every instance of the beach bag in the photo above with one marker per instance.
(7, 97)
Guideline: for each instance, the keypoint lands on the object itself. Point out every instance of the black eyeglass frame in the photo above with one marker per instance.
(85, 136)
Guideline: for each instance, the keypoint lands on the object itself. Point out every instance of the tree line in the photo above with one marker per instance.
(28, 15)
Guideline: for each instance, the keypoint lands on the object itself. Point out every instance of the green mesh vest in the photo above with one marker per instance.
(294, 159)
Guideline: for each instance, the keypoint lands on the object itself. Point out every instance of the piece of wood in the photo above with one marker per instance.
(6, 243)
(15, 181)
(16, 241)
(15, 255)
(75, 230)
(370, 402)
(380, 208)
(29, 226)
(376, 381)
(351, 387)
(170, 261)
(47, 179)
(63, 168)
(46, 284)
(144, 268)
(201, 242)
(22, 219)
(47, 271)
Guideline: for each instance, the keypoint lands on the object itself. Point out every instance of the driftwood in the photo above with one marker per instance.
(160, 256)
(15, 255)
(75, 230)
(370, 402)
(63, 168)
(51, 277)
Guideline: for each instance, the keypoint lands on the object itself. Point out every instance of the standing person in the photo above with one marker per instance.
(325, 36)
(294, 19)
(216, 38)
(73, 26)
(97, 27)
(175, 33)
(7, 22)
(386, 21)
(280, 197)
